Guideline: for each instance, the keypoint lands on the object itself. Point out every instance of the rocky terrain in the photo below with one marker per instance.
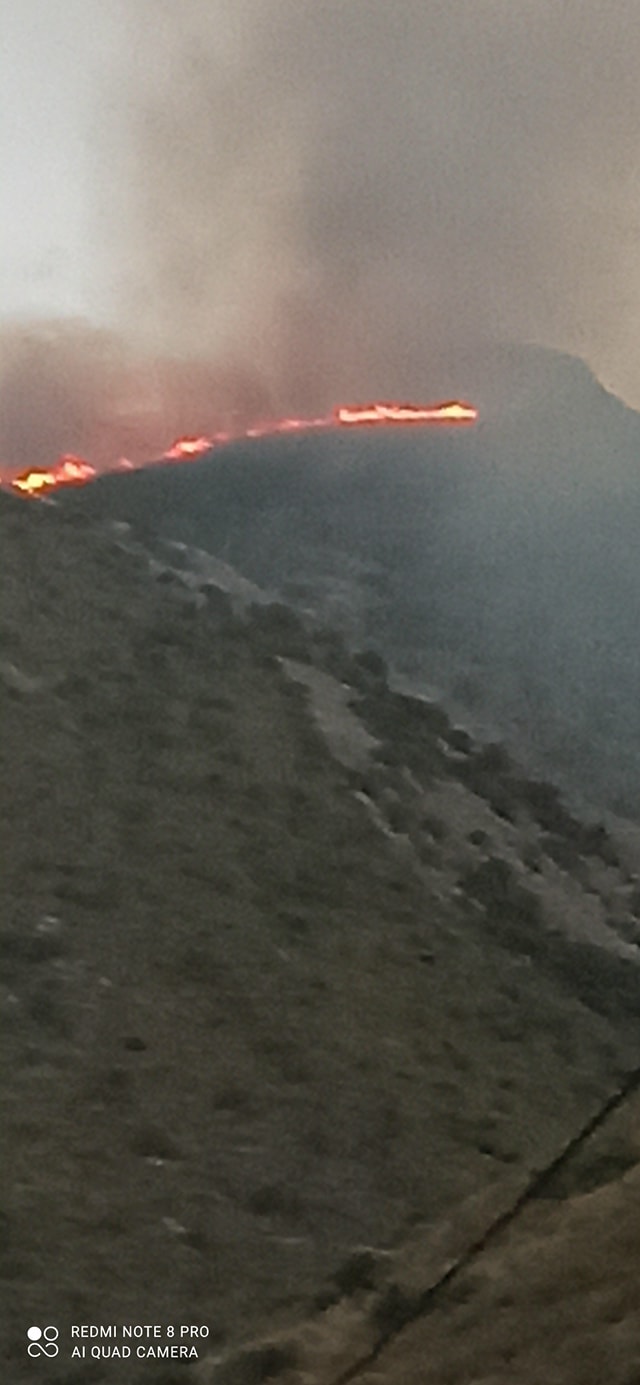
(295, 975)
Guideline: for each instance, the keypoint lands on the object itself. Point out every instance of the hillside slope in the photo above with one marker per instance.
(498, 564)
(268, 996)
(556, 1298)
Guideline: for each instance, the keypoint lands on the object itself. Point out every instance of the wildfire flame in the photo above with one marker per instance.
(184, 448)
(67, 471)
(75, 471)
(453, 412)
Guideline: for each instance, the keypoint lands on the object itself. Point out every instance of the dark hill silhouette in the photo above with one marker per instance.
(498, 563)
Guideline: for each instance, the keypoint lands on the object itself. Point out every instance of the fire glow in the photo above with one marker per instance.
(67, 471)
(453, 412)
(70, 470)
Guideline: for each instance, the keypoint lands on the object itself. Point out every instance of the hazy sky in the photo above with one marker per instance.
(327, 190)
(56, 61)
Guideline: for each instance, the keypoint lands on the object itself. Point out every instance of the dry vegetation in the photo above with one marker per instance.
(555, 1299)
(261, 1009)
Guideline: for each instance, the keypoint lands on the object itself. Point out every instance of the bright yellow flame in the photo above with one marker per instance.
(68, 471)
(33, 481)
(453, 412)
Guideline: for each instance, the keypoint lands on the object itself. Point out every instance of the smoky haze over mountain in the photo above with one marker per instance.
(496, 566)
(337, 194)
(58, 392)
(66, 386)
(297, 204)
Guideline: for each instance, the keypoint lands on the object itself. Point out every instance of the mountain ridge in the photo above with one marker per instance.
(498, 564)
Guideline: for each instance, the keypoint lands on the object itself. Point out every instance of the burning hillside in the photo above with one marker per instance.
(70, 470)
(452, 412)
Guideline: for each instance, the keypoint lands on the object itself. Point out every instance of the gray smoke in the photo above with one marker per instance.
(338, 192)
(69, 387)
(307, 201)
(59, 385)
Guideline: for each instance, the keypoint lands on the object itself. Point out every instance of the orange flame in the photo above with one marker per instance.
(188, 447)
(451, 412)
(74, 471)
(68, 471)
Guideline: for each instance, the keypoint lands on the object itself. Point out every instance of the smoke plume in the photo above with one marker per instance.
(337, 193)
(303, 202)
(58, 392)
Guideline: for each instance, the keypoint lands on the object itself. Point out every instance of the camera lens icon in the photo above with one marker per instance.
(43, 1341)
